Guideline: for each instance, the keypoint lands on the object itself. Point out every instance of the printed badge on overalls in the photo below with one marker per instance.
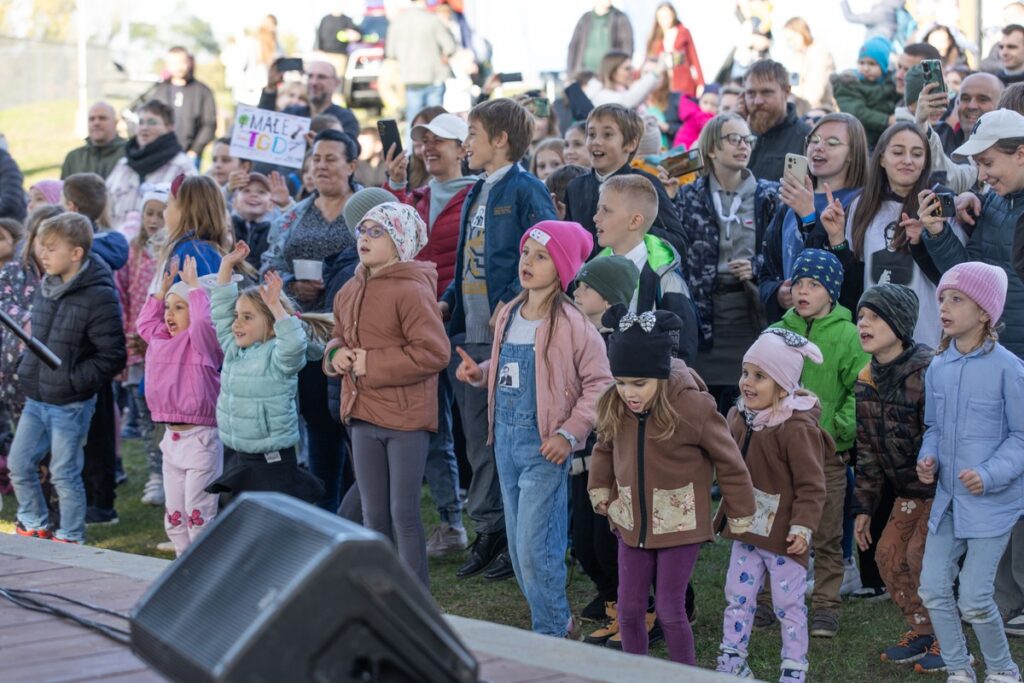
(509, 376)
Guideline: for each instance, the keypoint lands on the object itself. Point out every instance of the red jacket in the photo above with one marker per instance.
(444, 233)
(685, 54)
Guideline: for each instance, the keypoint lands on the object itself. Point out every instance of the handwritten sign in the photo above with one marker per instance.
(270, 136)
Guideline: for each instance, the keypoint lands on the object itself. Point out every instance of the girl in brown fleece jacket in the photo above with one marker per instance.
(660, 442)
(776, 423)
(389, 345)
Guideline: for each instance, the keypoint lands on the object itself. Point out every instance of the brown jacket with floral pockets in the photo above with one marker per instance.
(673, 476)
(786, 464)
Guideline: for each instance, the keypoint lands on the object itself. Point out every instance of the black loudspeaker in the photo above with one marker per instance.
(277, 590)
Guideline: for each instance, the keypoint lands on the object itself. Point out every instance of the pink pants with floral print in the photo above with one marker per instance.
(193, 459)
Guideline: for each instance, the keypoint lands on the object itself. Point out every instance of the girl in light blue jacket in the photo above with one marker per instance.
(974, 448)
(265, 347)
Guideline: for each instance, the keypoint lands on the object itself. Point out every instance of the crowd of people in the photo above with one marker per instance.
(820, 324)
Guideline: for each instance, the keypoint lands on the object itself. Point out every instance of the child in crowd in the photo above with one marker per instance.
(546, 370)
(576, 152)
(308, 185)
(869, 94)
(264, 347)
(613, 136)
(498, 210)
(602, 283)
(196, 219)
(389, 345)
(133, 287)
(182, 382)
(818, 315)
(660, 443)
(250, 223)
(558, 184)
(775, 421)
(890, 394)
(44, 192)
(547, 158)
(76, 314)
(972, 449)
(223, 165)
(11, 232)
(86, 194)
(627, 208)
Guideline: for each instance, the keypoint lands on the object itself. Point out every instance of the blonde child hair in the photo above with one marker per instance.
(612, 412)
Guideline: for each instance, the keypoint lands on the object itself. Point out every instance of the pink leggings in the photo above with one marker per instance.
(669, 569)
(193, 459)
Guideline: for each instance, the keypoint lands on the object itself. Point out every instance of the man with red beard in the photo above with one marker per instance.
(772, 119)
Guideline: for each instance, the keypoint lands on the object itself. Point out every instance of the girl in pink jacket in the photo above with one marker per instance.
(182, 383)
(547, 368)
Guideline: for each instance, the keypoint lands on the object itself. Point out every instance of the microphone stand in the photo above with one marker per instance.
(41, 351)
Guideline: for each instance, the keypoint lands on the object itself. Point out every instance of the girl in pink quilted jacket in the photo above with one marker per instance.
(133, 281)
(182, 382)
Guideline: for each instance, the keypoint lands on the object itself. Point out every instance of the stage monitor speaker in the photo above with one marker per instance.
(277, 590)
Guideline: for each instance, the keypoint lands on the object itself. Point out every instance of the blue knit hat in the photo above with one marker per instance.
(878, 49)
(822, 266)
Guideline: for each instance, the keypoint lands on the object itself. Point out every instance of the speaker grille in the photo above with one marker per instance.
(268, 551)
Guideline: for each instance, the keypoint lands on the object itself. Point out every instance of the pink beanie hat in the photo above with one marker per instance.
(985, 284)
(568, 243)
(51, 189)
(781, 353)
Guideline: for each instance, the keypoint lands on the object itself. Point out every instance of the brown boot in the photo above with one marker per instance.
(654, 633)
(609, 630)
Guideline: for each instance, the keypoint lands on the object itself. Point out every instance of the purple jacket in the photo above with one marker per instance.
(183, 371)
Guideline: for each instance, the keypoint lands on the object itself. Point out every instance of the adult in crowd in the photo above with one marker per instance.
(836, 151)
(195, 112)
(927, 105)
(942, 39)
(726, 213)
(772, 119)
(671, 38)
(439, 203)
(153, 157)
(13, 201)
(979, 94)
(912, 54)
(321, 84)
(879, 20)
(315, 230)
(813, 66)
(422, 45)
(878, 240)
(599, 31)
(103, 147)
(1011, 55)
(334, 34)
(616, 82)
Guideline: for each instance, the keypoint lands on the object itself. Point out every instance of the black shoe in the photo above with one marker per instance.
(481, 553)
(120, 476)
(97, 516)
(595, 610)
(501, 568)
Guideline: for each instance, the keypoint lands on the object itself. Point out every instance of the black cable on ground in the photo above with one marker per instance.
(22, 597)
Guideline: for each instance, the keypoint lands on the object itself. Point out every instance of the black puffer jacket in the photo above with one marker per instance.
(82, 325)
(890, 426)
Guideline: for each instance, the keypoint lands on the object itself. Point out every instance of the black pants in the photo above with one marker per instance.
(593, 542)
(326, 438)
(101, 451)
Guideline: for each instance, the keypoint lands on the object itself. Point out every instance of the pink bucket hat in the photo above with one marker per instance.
(781, 353)
(568, 243)
(51, 189)
(985, 284)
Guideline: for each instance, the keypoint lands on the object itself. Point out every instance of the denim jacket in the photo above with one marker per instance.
(974, 421)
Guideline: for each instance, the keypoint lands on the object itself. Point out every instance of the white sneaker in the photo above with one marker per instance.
(851, 577)
(1015, 626)
(966, 676)
(153, 491)
(165, 547)
(446, 539)
(1002, 677)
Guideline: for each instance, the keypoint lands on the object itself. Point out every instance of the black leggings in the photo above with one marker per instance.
(593, 542)
(101, 451)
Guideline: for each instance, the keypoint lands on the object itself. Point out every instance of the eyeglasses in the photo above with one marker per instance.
(735, 139)
(831, 142)
(150, 122)
(371, 231)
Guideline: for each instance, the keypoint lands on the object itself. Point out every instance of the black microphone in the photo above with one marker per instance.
(37, 347)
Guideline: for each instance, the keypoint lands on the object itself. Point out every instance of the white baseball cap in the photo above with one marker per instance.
(446, 126)
(992, 127)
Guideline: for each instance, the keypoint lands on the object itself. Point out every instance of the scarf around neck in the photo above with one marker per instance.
(762, 419)
(145, 160)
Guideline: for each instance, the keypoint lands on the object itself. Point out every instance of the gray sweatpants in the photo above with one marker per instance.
(389, 466)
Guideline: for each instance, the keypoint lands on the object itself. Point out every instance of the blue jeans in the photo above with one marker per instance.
(535, 493)
(61, 431)
(419, 97)
(942, 553)
(848, 515)
(442, 468)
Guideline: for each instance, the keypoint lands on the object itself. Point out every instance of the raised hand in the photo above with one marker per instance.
(468, 371)
(397, 165)
(270, 292)
(796, 195)
(230, 260)
(833, 218)
(190, 274)
(237, 180)
(279, 190)
(167, 279)
(928, 205)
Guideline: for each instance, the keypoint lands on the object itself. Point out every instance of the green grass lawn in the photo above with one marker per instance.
(852, 657)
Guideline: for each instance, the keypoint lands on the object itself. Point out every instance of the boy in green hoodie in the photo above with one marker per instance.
(868, 93)
(818, 316)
